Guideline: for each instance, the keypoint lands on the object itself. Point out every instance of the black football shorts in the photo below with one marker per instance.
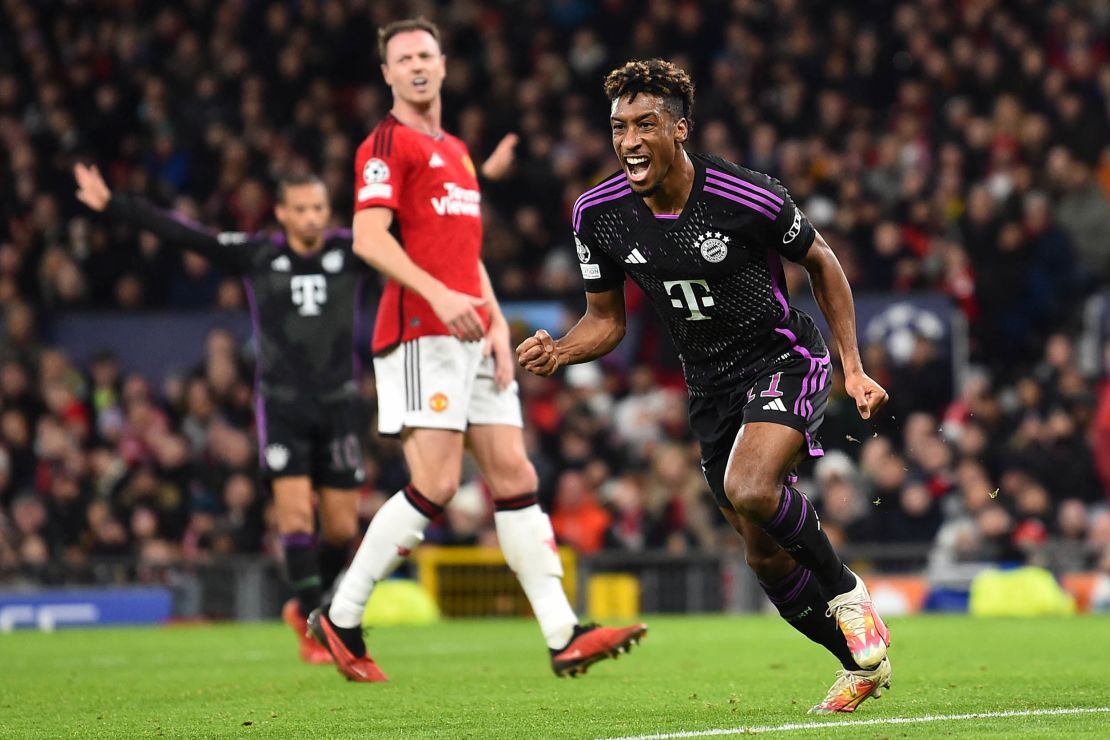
(320, 439)
(794, 393)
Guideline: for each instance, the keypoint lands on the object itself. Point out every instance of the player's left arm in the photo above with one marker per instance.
(497, 336)
(834, 296)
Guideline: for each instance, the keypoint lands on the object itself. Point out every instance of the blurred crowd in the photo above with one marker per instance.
(959, 148)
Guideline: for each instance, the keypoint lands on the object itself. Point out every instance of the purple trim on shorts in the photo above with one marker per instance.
(800, 401)
(813, 451)
(606, 187)
(774, 267)
(599, 201)
(744, 193)
(801, 519)
(256, 339)
(744, 184)
(784, 506)
(815, 363)
(816, 385)
(820, 387)
(671, 216)
(298, 539)
(747, 203)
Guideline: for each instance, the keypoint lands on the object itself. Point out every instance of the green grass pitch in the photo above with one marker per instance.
(491, 679)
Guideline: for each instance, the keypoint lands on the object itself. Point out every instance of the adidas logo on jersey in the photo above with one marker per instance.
(436, 160)
(281, 264)
(775, 405)
(635, 258)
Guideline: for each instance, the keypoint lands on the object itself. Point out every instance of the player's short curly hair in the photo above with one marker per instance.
(654, 77)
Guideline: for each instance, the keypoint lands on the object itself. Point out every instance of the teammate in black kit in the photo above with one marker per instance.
(304, 287)
(704, 238)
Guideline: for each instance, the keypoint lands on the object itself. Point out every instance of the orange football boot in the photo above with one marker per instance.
(592, 643)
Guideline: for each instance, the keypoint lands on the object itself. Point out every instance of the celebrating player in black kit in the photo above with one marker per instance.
(703, 238)
(304, 287)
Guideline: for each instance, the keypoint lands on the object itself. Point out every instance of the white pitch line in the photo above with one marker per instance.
(868, 722)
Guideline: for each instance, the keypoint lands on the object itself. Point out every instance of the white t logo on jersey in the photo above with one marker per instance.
(309, 293)
(689, 299)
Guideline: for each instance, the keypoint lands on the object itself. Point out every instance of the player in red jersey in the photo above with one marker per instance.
(442, 362)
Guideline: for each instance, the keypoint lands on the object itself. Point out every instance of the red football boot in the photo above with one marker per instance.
(592, 643)
(356, 668)
(312, 652)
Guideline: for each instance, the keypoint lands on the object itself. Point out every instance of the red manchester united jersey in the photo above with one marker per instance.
(430, 185)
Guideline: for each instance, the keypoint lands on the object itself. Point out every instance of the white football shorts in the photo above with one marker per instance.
(440, 382)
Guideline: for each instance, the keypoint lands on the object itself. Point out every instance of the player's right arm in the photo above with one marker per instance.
(378, 247)
(595, 335)
(227, 249)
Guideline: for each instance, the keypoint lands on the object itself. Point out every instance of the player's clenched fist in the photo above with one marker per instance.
(536, 354)
(868, 395)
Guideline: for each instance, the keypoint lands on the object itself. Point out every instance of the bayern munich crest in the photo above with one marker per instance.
(332, 261)
(713, 246)
(277, 457)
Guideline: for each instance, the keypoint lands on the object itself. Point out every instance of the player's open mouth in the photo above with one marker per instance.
(637, 167)
(420, 83)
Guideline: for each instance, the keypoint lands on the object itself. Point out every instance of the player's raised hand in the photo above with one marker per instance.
(497, 344)
(868, 395)
(501, 159)
(459, 312)
(91, 188)
(536, 354)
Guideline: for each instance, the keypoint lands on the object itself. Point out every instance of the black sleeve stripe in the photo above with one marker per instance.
(389, 140)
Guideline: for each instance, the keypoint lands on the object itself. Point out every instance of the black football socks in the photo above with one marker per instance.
(797, 529)
(302, 568)
(802, 603)
(332, 559)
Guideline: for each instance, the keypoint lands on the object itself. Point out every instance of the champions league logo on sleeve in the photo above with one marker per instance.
(375, 176)
(583, 250)
(375, 171)
(713, 246)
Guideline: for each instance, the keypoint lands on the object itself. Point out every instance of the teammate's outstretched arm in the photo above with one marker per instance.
(226, 249)
(380, 250)
(834, 296)
(596, 334)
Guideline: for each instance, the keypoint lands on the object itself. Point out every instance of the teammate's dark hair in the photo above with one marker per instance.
(654, 77)
(409, 24)
(293, 180)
